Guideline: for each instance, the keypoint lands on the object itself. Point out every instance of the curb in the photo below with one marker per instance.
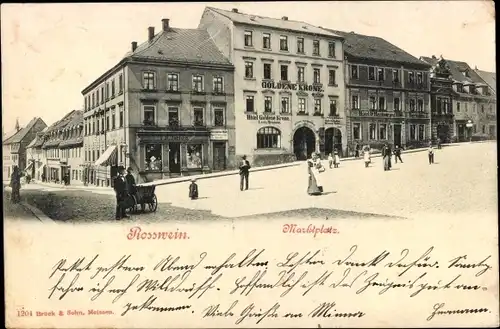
(38, 213)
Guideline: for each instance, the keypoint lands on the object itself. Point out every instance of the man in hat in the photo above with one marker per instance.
(244, 172)
(193, 190)
(130, 179)
(120, 186)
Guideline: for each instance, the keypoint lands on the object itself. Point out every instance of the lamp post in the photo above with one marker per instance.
(469, 126)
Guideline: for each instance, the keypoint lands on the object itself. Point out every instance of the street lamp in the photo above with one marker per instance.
(469, 126)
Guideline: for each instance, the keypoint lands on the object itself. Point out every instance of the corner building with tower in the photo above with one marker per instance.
(289, 85)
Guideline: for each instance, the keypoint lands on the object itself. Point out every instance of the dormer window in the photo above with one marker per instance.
(460, 88)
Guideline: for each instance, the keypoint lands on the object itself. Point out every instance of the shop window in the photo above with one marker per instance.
(268, 137)
(149, 115)
(356, 130)
(173, 116)
(382, 131)
(194, 156)
(250, 104)
(373, 131)
(198, 117)
(153, 157)
(219, 118)
(421, 132)
(285, 104)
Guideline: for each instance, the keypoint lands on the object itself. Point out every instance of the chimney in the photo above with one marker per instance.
(234, 10)
(285, 18)
(151, 33)
(134, 45)
(166, 24)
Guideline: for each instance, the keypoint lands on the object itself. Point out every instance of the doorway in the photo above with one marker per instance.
(333, 141)
(304, 143)
(442, 133)
(397, 135)
(174, 157)
(461, 132)
(219, 153)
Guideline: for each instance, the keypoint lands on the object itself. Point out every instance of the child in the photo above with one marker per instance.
(366, 156)
(330, 160)
(193, 190)
(431, 153)
(336, 160)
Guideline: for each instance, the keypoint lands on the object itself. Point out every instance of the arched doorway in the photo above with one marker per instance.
(304, 143)
(333, 140)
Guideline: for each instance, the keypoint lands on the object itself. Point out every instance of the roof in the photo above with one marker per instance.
(276, 23)
(457, 69)
(489, 77)
(431, 60)
(370, 47)
(21, 134)
(75, 119)
(61, 123)
(8, 135)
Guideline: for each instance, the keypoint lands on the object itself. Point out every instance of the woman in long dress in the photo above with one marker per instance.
(366, 156)
(15, 184)
(315, 168)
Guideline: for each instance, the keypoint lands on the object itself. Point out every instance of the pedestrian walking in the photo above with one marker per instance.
(439, 143)
(397, 154)
(44, 178)
(366, 156)
(330, 161)
(244, 173)
(389, 153)
(120, 187)
(193, 190)
(15, 184)
(356, 150)
(386, 155)
(430, 151)
(336, 159)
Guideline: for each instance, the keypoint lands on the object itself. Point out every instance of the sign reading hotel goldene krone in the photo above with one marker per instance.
(268, 118)
(291, 86)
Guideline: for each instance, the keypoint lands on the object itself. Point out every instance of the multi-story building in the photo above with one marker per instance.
(56, 160)
(442, 117)
(14, 147)
(387, 94)
(490, 78)
(71, 146)
(289, 84)
(35, 156)
(166, 109)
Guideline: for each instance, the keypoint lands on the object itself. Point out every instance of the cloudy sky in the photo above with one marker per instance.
(50, 52)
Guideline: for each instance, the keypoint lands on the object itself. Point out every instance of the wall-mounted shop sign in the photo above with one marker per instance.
(333, 121)
(219, 135)
(291, 86)
(268, 118)
(165, 138)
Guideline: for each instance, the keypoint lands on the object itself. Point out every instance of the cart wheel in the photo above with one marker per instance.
(153, 205)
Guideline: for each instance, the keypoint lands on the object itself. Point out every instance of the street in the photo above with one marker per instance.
(462, 181)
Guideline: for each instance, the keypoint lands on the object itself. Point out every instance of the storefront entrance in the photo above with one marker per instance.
(304, 143)
(333, 141)
(219, 152)
(174, 158)
(461, 132)
(397, 135)
(442, 132)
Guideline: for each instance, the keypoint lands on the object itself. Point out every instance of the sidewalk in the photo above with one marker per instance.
(22, 210)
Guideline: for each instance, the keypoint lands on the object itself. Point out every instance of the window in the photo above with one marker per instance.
(93, 100)
(153, 157)
(198, 83)
(249, 70)
(284, 43)
(482, 108)
(354, 72)
(380, 74)
(107, 122)
(93, 126)
(420, 105)
(102, 95)
(172, 82)
(382, 131)
(333, 107)
(484, 129)
(373, 131)
(301, 74)
(198, 116)
(113, 120)
(381, 103)
(315, 47)
(474, 108)
(148, 82)
(466, 107)
(397, 104)
(355, 102)
(331, 49)
(460, 88)
(173, 116)
(268, 104)
(420, 79)
(121, 117)
(371, 73)
(284, 72)
(219, 118)
(250, 104)
(412, 105)
(458, 107)
(300, 45)
(149, 115)
(411, 77)
(421, 132)
(373, 103)
(356, 130)
(268, 137)
(302, 105)
(285, 105)
(395, 75)
(316, 76)
(194, 156)
(331, 78)
(248, 39)
(413, 133)
(267, 71)
(266, 41)
(120, 83)
(218, 85)
(86, 103)
(317, 106)
(113, 88)
(97, 97)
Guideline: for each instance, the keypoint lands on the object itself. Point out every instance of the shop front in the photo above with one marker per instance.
(219, 139)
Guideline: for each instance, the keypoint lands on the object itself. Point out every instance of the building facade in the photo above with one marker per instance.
(71, 149)
(167, 109)
(35, 156)
(289, 90)
(387, 94)
(15, 147)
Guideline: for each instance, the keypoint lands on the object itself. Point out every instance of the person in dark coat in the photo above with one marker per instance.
(15, 184)
(397, 154)
(193, 190)
(386, 155)
(244, 172)
(130, 179)
(120, 186)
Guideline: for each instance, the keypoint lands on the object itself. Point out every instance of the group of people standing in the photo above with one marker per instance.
(125, 189)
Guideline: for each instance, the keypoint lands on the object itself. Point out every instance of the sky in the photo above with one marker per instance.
(51, 52)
